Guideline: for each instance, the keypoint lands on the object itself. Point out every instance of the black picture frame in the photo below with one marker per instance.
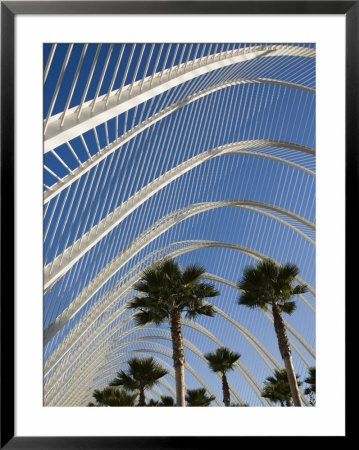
(9, 9)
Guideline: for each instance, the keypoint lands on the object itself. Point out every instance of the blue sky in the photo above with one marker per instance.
(241, 112)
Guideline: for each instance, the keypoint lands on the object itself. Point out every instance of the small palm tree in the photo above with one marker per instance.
(168, 292)
(166, 400)
(221, 361)
(143, 373)
(277, 388)
(113, 397)
(198, 397)
(311, 390)
(268, 284)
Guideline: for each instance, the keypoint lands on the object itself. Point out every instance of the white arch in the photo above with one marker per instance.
(188, 345)
(104, 305)
(305, 344)
(142, 90)
(79, 171)
(90, 387)
(107, 339)
(62, 369)
(79, 385)
(140, 242)
(163, 382)
(114, 365)
(63, 262)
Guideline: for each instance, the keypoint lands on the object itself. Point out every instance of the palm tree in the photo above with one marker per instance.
(198, 397)
(113, 397)
(143, 373)
(277, 388)
(168, 292)
(221, 361)
(166, 400)
(267, 283)
(311, 390)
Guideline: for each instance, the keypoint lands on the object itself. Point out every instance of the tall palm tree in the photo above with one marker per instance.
(143, 373)
(221, 361)
(268, 284)
(277, 388)
(113, 397)
(168, 292)
(311, 390)
(198, 397)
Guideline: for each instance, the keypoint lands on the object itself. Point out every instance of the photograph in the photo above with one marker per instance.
(179, 224)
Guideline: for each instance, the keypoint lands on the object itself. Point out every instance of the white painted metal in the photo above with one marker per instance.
(63, 262)
(133, 132)
(132, 95)
(144, 239)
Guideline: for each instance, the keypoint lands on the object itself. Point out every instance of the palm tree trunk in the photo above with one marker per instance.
(225, 387)
(178, 357)
(142, 399)
(285, 352)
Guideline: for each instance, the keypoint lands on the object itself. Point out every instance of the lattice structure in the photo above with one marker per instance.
(202, 152)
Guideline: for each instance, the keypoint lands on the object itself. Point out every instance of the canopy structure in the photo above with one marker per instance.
(200, 152)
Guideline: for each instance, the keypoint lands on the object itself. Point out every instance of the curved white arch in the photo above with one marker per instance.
(104, 305)
(87, 397)
(106, 340)
(197, 353)
(78, 382)
(74, 401)
(114, 365)
(243, 331)
(64, 261)
(79, 386)
(305, 344)
(79, 171)
(164, 382)
(95, 114)
(140, 242)
(188, 345)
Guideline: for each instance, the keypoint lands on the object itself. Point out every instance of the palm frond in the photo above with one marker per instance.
(198, 397)
(199, 310)
(288, 307)
(222, 360)
(192, 273)
(300, 289)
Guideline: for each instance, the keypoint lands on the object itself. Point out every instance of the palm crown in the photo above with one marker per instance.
(167, 291)
(167, 288)
(222, 360)
(268, 283)
(143, 373)
(198, 397)
(277, 387)
(113, 397)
